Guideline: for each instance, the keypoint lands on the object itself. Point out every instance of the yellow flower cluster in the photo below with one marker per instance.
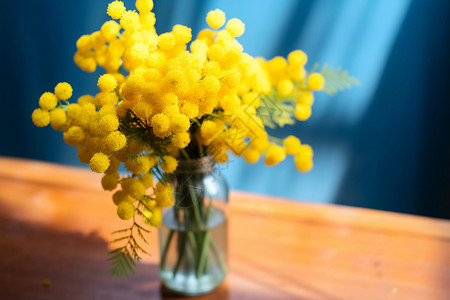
(172, 99)
(48, 112)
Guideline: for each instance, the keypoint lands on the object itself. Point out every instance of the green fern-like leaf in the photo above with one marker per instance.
(141, 132)
(275, 113)
(122, 262)
(335, 79)
(125, 257)
(121, 231)
(120, 239)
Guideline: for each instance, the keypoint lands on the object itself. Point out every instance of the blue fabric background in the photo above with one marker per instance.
(382, 145)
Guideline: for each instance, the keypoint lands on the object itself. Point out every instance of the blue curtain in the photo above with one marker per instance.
(382, 145)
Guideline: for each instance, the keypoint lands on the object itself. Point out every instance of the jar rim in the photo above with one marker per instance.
(203, 165)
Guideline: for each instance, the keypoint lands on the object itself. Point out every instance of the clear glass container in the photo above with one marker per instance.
(193, 234)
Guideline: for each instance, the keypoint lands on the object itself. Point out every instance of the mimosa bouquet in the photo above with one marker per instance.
(165, 99)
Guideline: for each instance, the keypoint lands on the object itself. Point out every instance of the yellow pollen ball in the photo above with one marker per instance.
(129, 20)
(306, 98)
(85, 99)
(108, 124)
(114, 165)
(156, 217)
(189, 109)
(296, 73)
(274, 155)
(125, 210)
(116, 9)
(211, 84)
(88, 109)
(139, 51)
(152, 75)
(119, 78)
(58, 118)
(63, 91)
(144, 6)
(121, 196)
(87, 64)
(181, 140)
(140, 165)
(251, 156)
(75, 136)
(99, 162)
(208, 129)
(297, 58)
(169, 99)
(116, 141)
(171, 111)
(206, 35)
(142, 109)
(84, 44)
(48, 101)
(147, 180)
(107, 109)
(147, 20)
(306, 150)
(277, 66)
(84, 154)
(161, 125)
(303, 163)
(107, 83)
(230, 104)
(215, 18)
(292, 145)
(182, 34)
(166, 41)
(235, 27)
(169, 164)
(136, 189)
(164, 195)
(109, 30)
(285, 87)
(180, 123)
(316, 81)
(40, 117)
(110, 181)
(302, 112)
(223, 36)
(74, 111)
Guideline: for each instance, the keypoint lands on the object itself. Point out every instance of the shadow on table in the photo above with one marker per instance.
(41, 262)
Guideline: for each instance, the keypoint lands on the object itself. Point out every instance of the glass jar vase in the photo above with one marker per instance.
(193, 234)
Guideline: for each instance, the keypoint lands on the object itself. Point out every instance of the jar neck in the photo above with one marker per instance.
(204, 165)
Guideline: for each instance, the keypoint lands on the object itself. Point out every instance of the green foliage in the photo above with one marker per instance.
(275, 113)
(140, 131)
(335, 79)
(121, 262)
(124, 258)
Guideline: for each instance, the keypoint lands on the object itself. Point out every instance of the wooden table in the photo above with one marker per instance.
(55, 224)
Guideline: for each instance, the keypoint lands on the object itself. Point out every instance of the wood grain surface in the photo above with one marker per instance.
(55, 224)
